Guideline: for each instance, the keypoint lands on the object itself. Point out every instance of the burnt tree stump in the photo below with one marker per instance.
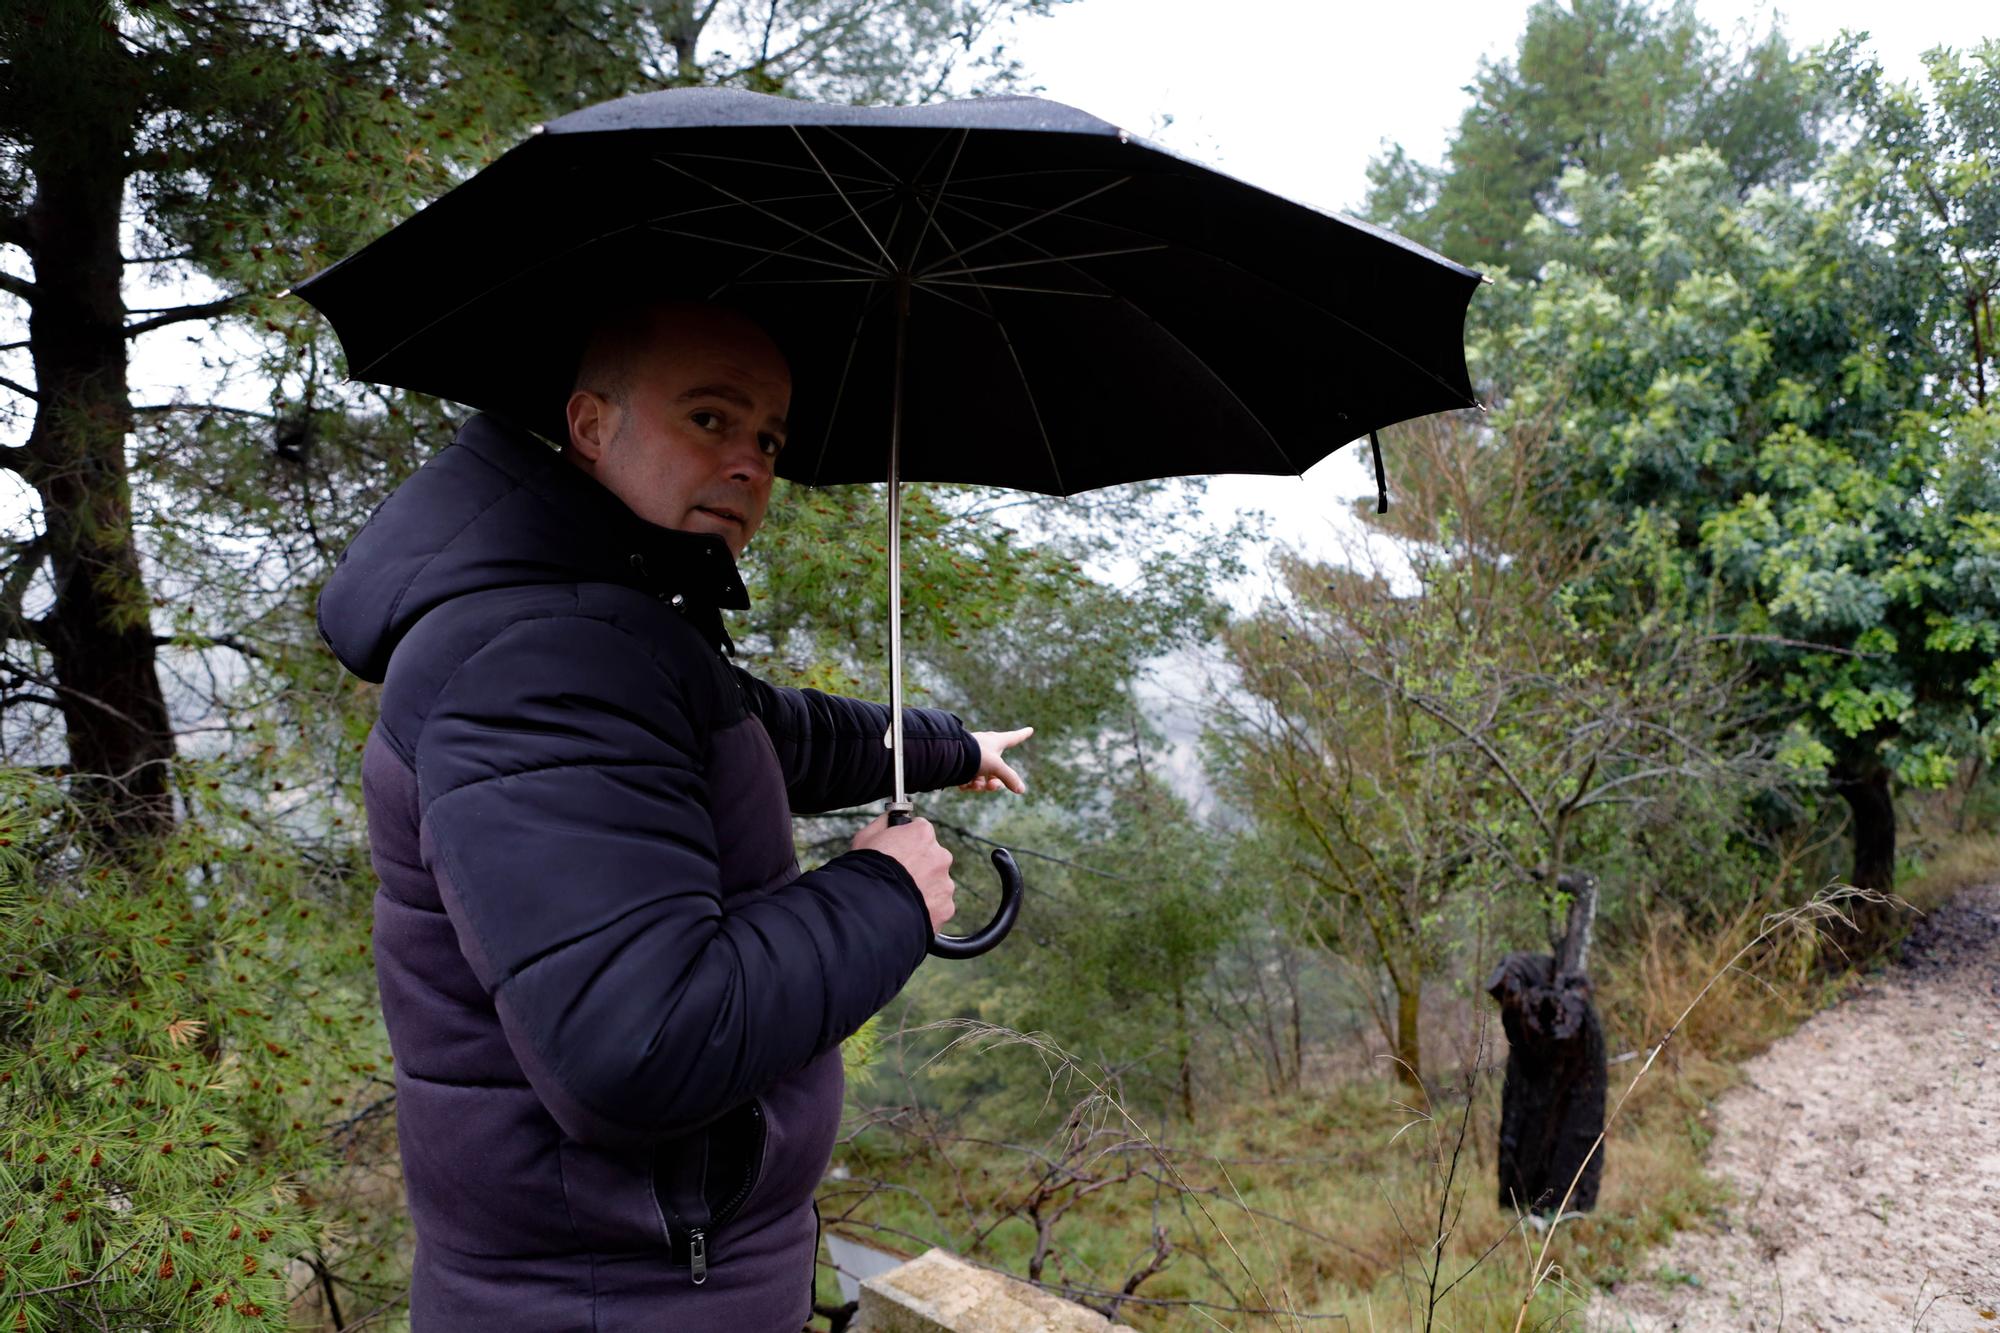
(1552, 1104)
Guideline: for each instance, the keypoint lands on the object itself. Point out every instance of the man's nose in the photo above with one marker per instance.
(747, 460)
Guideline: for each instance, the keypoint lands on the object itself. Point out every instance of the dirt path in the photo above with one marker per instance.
(1864, 1152)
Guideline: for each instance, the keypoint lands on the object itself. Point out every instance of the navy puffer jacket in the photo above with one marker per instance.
(613, 1000)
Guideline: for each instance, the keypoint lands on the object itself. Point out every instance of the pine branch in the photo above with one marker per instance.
(220, 408)
(181, 314)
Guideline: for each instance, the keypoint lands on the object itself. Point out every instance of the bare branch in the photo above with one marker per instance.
(21, 389)
(20, 287)
(229, 641)
(1479, 742)
(1798, 643)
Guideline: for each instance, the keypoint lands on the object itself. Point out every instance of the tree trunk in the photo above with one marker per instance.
(1872, 805)
(99, 632)
(1409, 1045)
(1185, 1049)
(1297, 1020)
(1552, 1104)
(681, 23)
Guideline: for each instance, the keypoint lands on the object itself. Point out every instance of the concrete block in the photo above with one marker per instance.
(937, 1293)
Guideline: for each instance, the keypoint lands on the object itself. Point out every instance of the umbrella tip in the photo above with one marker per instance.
(533, 130)
(283, 292)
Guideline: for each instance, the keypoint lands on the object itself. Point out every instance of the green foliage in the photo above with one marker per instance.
(1924, 170)
(1605, 86)
(1130, 898)
(1417, 761)
(1005, 623)
(187, 1054)
(1752, 406)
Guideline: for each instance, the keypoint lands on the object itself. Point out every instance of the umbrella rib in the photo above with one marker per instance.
(773, 199)
(1051, 259)
(1199, 360)
(866, 264)
(1036, 173)
(888, 176)
(1041, 427)
(961, 304)
(771, 165)
(1342, 320)
(944, 183)
(781, 253)
(1048, 255)
(363, 372)
(871, 280)
(1220, 382)
(840, 390)
(869, 274)
(929, 284)
(1029, 222)
(800, 135)
(1014, 355)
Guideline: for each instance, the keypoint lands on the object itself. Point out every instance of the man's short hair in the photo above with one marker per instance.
(605, 366)
(606, 362)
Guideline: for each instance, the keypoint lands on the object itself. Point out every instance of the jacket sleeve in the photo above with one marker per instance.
(561, 795)
(831, 749)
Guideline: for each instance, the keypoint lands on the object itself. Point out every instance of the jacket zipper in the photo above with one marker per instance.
(698, 1236)
(736, 1200)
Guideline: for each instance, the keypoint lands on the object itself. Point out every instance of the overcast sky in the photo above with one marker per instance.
(1297, 95)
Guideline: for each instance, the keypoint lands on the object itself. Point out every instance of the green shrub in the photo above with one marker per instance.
(189, 1046)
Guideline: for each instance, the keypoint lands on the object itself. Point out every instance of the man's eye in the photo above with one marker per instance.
(706, 420)
(771, 445)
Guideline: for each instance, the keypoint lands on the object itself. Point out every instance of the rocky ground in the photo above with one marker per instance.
(1864, 1152)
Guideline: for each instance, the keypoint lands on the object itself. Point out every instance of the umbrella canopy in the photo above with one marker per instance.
(1083, 308)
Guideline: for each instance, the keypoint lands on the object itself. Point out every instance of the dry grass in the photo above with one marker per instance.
(1805, 924)
(1948, 864)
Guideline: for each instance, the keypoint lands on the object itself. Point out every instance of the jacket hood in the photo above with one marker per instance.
(498, 508)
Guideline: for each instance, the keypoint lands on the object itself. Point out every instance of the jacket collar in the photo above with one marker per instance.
(622, 547)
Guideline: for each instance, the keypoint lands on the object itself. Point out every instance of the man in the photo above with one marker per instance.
(614, 1002)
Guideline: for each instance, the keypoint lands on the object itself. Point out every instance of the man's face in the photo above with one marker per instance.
(695, 440)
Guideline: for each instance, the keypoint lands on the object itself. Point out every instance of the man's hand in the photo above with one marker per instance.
(915, 844)
(993, 770)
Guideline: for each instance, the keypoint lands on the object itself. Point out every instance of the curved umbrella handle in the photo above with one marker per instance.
(971, 946)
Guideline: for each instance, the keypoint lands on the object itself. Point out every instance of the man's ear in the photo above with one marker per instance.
(591, 425)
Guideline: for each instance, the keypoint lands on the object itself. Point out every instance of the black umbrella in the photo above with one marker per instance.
(1003, 291)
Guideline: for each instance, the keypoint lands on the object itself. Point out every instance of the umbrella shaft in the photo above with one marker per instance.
(900, 805)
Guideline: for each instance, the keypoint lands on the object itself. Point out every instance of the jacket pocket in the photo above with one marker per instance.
(703, 1179)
